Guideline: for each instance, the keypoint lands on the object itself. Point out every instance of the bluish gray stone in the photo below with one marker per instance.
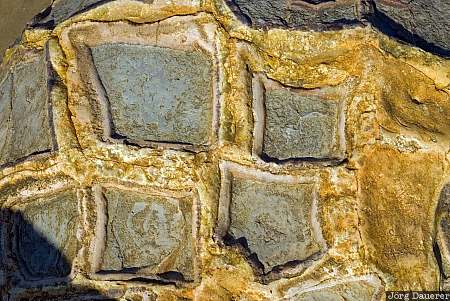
(157, 94)
(24, 116)
(420, 22)
(62, 10)
(275, 219)
(300, 126)
(298, 13)
(150, 232)
(45, 236)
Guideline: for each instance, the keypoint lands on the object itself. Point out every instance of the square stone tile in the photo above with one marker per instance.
(24, 117)
(298, 125)
(157, 94)
(147, 234)
(274, 214)
(45, 242)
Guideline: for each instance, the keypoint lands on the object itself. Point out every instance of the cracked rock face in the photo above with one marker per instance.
(299, 126)
(147, 232)
(157, 94)
(24, 111)
(177, 150)
(276, 219)
(420, 22)
(45, 236)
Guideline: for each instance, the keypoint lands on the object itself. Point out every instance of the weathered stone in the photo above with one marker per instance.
(157, 94)
(299, 126)
(349, 291)
(419, 22)
(63, 9)
(45, 236)
(24, 113)
(150, 232)
(396, 191)
(5, 114)
(317, 14)
(275, 219)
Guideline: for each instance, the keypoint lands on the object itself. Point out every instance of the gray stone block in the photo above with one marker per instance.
(275, 219)
(157, 94)
(62, 10)
(420, 22)
(148, 232)
(299, 126)
(45, 236)
(24, 116)
(298, 13)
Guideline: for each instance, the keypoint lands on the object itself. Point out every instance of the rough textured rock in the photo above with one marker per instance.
(61, 10)
(150, 213)
(299, 126)
(298, 13)
(148, 232)
(419, 22)
(400, 195)
(175, 97)
(275, 219)
(24, 113)
(45, 236)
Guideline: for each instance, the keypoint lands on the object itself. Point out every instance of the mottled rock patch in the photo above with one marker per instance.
(274, 217)
(292, 124)
(420, 22)
(24, 111)
(147, 234)
(157, 94)
(45, 236)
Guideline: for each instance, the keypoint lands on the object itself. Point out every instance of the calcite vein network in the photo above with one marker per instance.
(215, 150)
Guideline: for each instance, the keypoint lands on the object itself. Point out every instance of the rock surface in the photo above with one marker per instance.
(154, 220)
(300, 126)
(174, 100)
(275, 219)
(150, 232)
(61, 10)
(49, 254)
(349, 291)
(24, 112)
(420, 22)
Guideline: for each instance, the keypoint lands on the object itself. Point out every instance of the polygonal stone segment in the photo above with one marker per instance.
(275, 219)
(5, 115)
(419, 22)
(316, 14)
(157, 94)
(45, 236)
(299, 126)
(64, 9)
(24, 113)
(149, 233)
